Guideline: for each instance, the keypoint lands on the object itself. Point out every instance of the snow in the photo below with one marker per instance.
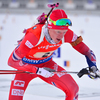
(11, 27)
(3, 96)
(38, 89)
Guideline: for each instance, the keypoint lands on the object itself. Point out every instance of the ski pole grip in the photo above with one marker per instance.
(82, 72)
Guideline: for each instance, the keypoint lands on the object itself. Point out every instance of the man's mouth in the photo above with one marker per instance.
(58, 39)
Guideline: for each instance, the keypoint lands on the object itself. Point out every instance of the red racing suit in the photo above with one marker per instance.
(35, 51)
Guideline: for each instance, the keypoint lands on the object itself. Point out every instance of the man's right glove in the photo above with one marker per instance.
(44, 72)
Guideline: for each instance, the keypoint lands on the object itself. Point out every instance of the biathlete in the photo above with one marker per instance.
(34, 54)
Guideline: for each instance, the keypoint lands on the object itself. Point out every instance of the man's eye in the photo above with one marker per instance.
(58, 32)
(64, 32)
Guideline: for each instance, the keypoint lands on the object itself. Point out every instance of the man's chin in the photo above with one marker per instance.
(57, 42)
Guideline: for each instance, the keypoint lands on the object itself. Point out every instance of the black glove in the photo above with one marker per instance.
(92, 72)
(82, 72)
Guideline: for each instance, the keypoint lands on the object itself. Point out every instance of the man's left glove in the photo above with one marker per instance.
(94, 72)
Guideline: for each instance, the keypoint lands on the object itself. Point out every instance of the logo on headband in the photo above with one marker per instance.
(34, 27)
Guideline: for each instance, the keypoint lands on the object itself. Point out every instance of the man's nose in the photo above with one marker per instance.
(61, 34)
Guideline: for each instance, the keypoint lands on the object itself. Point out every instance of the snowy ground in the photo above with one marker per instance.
(38, 89)
(11, 27)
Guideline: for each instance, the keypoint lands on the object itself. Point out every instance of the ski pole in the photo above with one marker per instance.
(11, 71)
(20, 71)
(80, 74)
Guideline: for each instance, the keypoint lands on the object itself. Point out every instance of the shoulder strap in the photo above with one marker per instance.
(62, 40)
(41, 37)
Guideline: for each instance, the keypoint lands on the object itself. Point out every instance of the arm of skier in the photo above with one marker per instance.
(89, 54)
(82, 48)
(15, 59)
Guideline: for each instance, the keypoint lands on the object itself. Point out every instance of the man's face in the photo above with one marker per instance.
(56, 35)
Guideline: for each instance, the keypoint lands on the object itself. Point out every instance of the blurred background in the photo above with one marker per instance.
(38, 6)
(17, 15)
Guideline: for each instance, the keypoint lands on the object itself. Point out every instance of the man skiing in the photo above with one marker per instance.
(34, 54)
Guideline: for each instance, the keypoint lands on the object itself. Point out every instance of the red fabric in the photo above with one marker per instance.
(62, 81)
(55, 15)
(68, 36)
(82, 48)
(21, 66)
(23, 49)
